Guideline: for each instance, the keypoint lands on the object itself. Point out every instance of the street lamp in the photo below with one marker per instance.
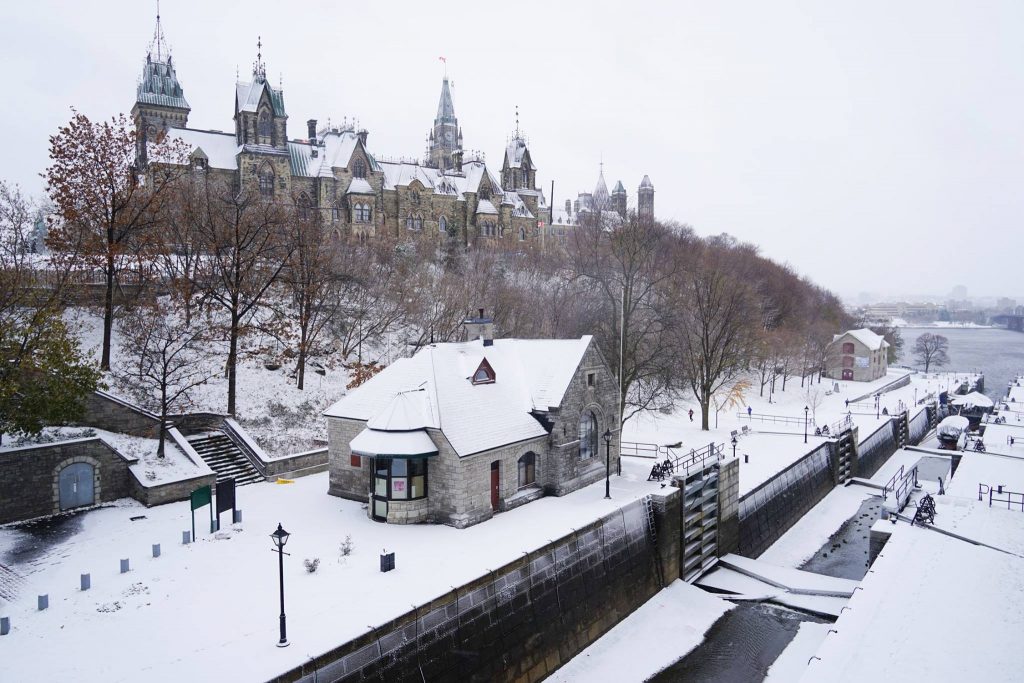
(607, 463)
(806, 409)
(280, 537)
(878, 406)
(734, 442)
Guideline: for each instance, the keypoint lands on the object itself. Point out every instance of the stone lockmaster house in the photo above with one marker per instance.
(461, 431)
(857, 355)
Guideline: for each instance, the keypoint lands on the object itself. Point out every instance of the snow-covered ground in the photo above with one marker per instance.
(282, 418)
(662, 630)
(209, 610)
(772, 445)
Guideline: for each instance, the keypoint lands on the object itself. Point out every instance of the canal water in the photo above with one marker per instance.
(997, 353)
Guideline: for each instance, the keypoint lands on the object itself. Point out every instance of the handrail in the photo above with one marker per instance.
(641, 450)
(892, 482)
(1012, 498)
(234, 432)
(774, 419)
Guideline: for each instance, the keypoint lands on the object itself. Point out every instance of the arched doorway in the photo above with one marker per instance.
(75, 485)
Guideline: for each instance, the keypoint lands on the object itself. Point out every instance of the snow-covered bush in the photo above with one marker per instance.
(311, 564)
(346, 547)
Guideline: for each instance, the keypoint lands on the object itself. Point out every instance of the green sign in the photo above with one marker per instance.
(201, 497)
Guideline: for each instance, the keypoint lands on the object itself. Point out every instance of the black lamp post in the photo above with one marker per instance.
(878, 406)
(607, 463)
(805, 423)
(734, 442)
(280, 537)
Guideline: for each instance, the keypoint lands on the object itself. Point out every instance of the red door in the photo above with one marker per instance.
(848, 374)
(495, 484)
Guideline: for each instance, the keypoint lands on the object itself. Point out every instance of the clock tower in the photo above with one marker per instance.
(445, 138)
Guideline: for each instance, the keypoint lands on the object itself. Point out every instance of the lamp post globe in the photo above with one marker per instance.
(607, 463)
(734, 442)
(280, 538)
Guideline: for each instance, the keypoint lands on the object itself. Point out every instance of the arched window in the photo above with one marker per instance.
(303, 206)
(266, 180)
(522, 234)
(442, 224)
(265, 128)
(359, 169)
(335, 214)
(588, 435)
(417, 223)
(527, 469)
(485, 192)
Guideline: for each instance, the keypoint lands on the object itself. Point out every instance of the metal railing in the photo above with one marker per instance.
(900, 484)
(642, 450)
(843, 425)
(774, 419)
(998, 494)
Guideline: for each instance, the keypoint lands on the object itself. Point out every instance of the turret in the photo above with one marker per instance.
(159, 99)
(645, 199)
(619, 199)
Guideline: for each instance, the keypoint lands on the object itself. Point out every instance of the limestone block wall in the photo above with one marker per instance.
(105, 411)
(29, 476)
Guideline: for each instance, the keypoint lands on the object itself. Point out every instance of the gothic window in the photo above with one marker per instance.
(266, 125)
(359, 169)
(303, 206)
(588, 435)
(361, 213)
(485, 192)
(527, 469)
(414, 197)
(418, 223)
(442, 224)
(335, 214)
(266, 180)
(522, 234)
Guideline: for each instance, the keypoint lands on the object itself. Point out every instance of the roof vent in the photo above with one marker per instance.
(480, 327)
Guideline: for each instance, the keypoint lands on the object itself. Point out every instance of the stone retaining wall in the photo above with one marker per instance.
(29, 476)
(524, 620)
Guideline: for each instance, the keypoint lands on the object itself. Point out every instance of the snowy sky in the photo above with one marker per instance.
(875, 146)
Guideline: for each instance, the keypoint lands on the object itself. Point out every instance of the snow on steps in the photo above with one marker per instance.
(793, 580)
(224, 457)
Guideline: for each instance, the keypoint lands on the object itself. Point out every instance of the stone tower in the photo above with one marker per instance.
(619, 199)
(445, 138)
(159, 99)
(261, 123)
(645, 199)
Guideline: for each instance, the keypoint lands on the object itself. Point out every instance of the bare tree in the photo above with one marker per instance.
(244, 249)
(931, 349)
(164, 359)
(104, 204)
(712, 327)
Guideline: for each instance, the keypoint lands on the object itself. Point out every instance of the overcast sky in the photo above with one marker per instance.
(873, 145)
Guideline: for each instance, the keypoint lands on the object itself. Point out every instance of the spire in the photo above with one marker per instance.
(601, 190)
(445, 108)
(157, 43)
(259, 69)
(517, 121)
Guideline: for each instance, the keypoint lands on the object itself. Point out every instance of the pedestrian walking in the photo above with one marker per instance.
(691, 414)
(750, 411)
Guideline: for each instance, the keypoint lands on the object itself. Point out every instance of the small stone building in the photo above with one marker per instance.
(857, 355)
(461, 431)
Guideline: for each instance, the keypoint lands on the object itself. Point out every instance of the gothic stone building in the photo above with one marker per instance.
(461, 431)
(451, 194)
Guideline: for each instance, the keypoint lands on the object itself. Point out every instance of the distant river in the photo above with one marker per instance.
(997, 353)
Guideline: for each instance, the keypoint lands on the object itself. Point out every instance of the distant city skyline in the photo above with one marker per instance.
(869, 146)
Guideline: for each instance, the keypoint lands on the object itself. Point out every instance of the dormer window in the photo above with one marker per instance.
(484, 373)
(359, 169)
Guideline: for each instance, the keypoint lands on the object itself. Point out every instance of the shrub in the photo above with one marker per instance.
(311, 565)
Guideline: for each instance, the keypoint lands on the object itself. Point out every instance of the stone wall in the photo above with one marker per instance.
(524, 620)
(298, 464)
(167, 493)
(104, 411)
(728, 507)
(29, 476)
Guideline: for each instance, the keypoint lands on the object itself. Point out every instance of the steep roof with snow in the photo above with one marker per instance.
(437, 391)
(159, 85)
(873, 341)
(247, 96)
(221, 149)
(515, 152)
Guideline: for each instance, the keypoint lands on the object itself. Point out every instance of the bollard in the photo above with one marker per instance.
(86, 582)
(236, 517)
(156, 550)
(5, 626)
(124, 566)
(186, 537)
(43, 601)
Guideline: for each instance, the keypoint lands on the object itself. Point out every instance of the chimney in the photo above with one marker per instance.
(311, 129)
(568, 206)
(480, 327)
(363, 135)
(457, 160)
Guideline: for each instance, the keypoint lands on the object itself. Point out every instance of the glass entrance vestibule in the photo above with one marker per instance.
(396, 479)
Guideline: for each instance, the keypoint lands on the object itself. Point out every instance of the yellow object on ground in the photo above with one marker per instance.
(284, 481)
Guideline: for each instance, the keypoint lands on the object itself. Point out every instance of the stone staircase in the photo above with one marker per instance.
(224, 458)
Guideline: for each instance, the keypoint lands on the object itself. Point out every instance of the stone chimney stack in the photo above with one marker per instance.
(311, 129)
(480, 327)
(363, 134)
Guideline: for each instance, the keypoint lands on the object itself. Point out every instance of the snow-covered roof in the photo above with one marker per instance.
(646, 183)
(221, 149)
(334, 149)
(403, 173)
(974, 398)
(619, 189)
(359, 186)
(159, 85)
(873, 341)
(515, 152)
(486, 207)
(530, 375)
(247, 96)
(373, 442)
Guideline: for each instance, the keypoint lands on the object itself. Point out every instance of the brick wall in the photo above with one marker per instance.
(29, 476)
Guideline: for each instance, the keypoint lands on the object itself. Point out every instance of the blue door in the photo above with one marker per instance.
(76, 486)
